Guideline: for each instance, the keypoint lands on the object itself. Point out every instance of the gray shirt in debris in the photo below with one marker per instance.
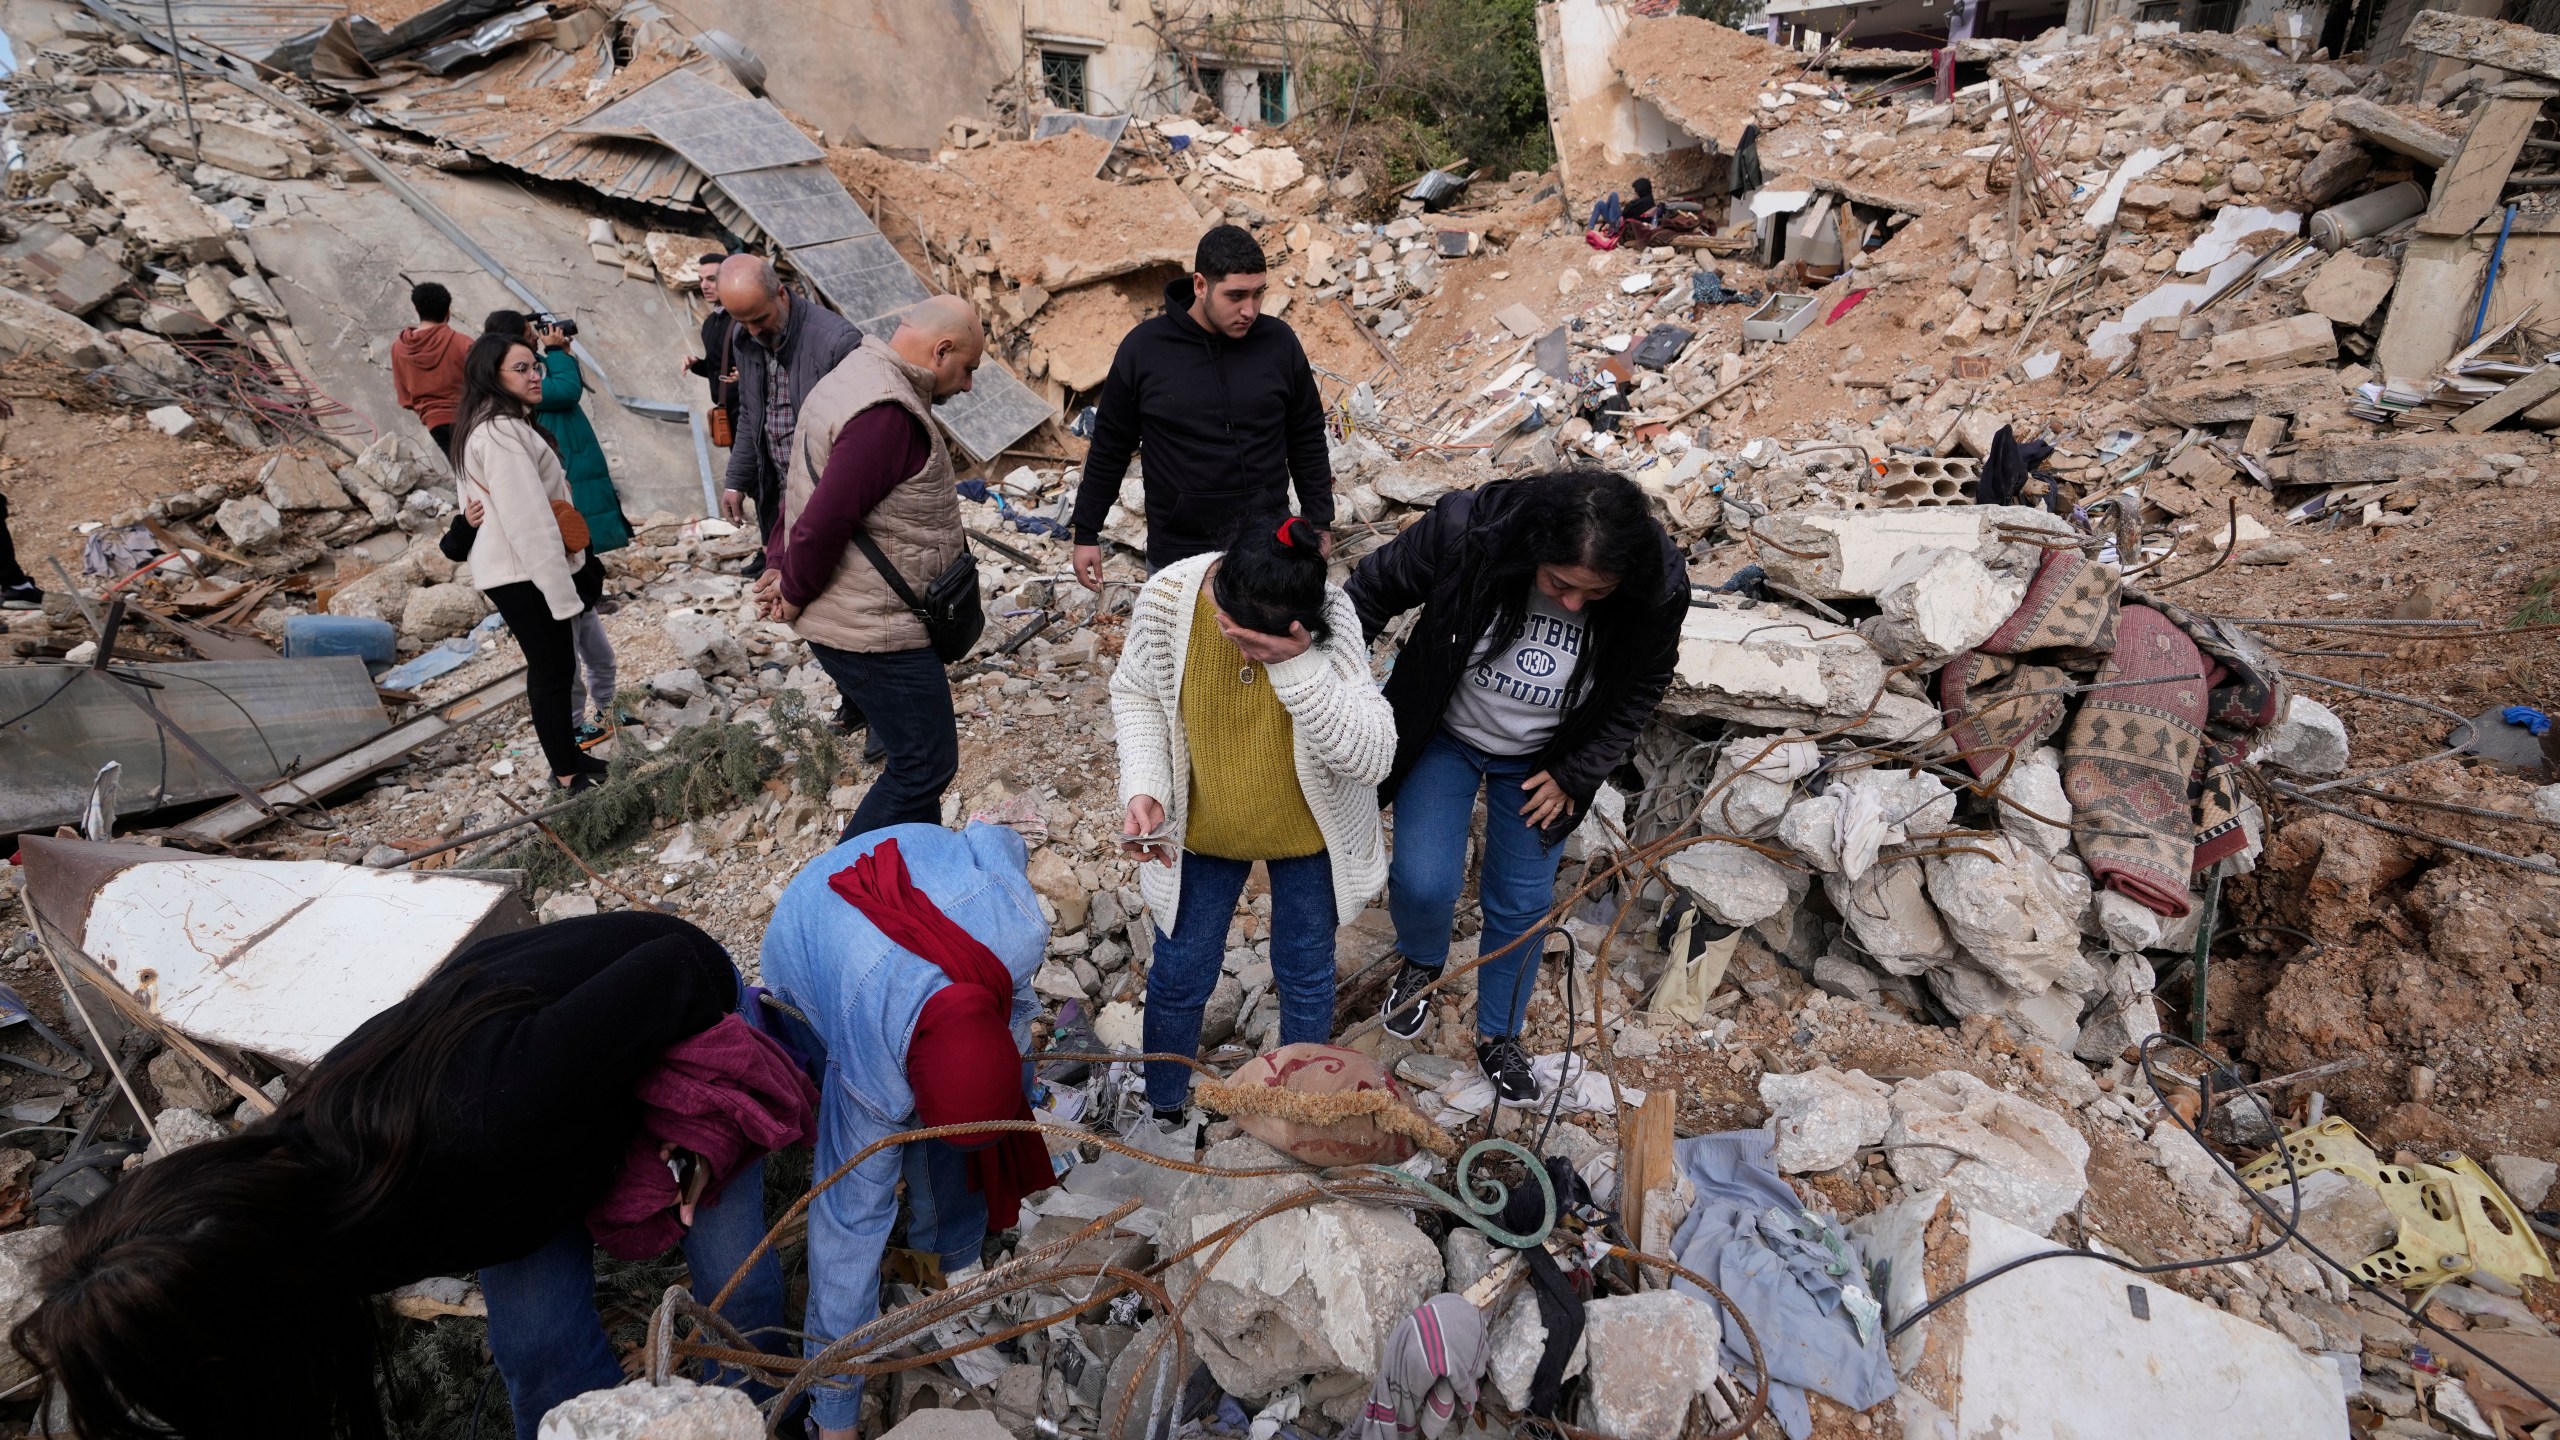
(1511, 698)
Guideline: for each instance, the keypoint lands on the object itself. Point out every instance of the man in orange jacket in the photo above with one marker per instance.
(426, 362)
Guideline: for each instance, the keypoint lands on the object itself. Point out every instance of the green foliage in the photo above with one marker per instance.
(2542, 602)
(433, 1373)
(1723, 12)
(1467, 78)
(704, 770)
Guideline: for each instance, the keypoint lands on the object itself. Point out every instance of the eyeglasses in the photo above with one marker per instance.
(527, 369)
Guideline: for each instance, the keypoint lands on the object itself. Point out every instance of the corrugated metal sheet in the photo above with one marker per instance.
(528, 135)
(254, 29)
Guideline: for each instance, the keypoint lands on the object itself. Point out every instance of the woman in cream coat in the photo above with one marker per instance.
(1249, 729)
(519, 558)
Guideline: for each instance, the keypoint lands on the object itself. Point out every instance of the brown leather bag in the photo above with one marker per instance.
(724, 430)
(573, 526)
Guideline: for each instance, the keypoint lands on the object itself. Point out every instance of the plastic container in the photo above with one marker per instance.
(308, 637)
(1780, 317)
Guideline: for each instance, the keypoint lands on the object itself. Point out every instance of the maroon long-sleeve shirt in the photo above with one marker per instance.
(873, 452)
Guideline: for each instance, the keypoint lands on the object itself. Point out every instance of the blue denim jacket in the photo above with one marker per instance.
(862, 994)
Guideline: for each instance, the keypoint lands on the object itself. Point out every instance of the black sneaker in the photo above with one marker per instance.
(1404, 1014)
(22, 596)
(1507, 1066)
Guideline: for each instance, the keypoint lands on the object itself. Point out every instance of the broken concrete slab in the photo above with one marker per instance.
(226, 146)
(1735, 884)
(22, 1254)
(88, 282)
(2222, 399)
(157, 210)
(1823, 1117)
(1888, 910)
(2041, 1350)
(2340, 1214)
(1777, 667)
(2526, 1180)
(2350, 289)
(2394, 129)
(1311, 1291)
(293, 481)
(1987, 1149)
(2017, 916)
(1651, 1355)
(2516, 49)
(2382, 459)
(1850, 554)
(2333, 172)
(1938, 603)
(704, 642)
(2310, 740)
(677, 1410)
(2294, 340)
(249, 521)
(29, 326)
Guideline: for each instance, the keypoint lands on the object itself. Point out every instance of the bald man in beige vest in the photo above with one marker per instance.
(867, 457)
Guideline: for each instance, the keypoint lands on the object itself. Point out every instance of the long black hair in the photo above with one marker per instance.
(164, 1306)
(1595, 519)
(484, 392)
(1271, 575)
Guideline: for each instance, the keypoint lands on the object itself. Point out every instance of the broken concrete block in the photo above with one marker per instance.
(704, 643)
(2348, 288)
(87, 283)
(2340, 1214)
(2034, 810)
(170, 420)
(2127, 925)
(176, 1128)
(1737, 886)
(2199, 1180)
(1311, 1291)
(154, 207)
(225, 146)
(250, 293)
(209, 292)
(1939, 603)
(1420, 484)
(1651, 1355)
(1853, 552)
(2017, 916)
(1823, 1116)
(2526, 1180)
(2294, 340)
(2004, 1154)
(29, 326)
(294, 481)
(677, 1410)
(1055, 878)
(677, 687)
(1811, 829)
(2309, 740)
(2333, 172)
(1781, 668)
(2221, 399)
(1749, 803)
(379, 594)
(155, 355)
(2070, 1340)
(22, 1253)
(249, 522)
(439, 612)
(1889, 911)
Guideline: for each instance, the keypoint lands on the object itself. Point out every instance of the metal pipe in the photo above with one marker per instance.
(2489, 282)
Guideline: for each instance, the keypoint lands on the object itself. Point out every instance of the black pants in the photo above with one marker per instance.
(10, 574)
(550, 665)
(443, 436)
(906, 698)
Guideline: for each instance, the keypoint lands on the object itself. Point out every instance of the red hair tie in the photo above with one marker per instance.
(1282, 534)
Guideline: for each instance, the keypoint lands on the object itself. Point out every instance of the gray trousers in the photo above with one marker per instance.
(593, 683)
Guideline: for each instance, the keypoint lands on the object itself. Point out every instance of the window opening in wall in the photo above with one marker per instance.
(1213, 83)
(1062, 76)
(1272, 86)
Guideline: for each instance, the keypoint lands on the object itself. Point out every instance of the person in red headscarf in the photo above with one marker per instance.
(907, 955)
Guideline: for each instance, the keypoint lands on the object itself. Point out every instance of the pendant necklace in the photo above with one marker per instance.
(1245, 675)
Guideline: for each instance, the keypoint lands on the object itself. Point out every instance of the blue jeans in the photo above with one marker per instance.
(1517, 888)
(1187, 962)
(905, 696)
(550, 1343)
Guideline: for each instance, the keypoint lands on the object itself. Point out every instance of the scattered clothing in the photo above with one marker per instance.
(426, 372)
(1796, 1279)
(2069, 606)
(1584, 1089)
(1228, 428)
(1429, 1372)
(1707, 287)
(2533, 722)
(2004, 471)
(730, 1095)
(2127, 758)
(1998, 708)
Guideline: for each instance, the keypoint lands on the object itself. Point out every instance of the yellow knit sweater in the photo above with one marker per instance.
(1245, 800)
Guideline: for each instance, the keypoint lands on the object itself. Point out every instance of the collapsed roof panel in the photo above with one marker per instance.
(618, 162)
(721, 134)
(998, 412)
(863, 276)
(797, 205)
(1706, 77)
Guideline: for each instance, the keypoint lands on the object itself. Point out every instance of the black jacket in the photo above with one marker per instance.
(1426, 566)
(814, 341)
(539, 1105)
(717, 359)
(1228, 426)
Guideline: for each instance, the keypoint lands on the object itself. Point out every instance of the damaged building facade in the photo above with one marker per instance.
(2098, 805)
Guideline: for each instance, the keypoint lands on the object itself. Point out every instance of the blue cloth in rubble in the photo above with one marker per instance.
(1781, 1282)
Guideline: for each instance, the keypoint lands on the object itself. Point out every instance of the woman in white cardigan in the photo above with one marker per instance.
(1249, 729)
(519, 558)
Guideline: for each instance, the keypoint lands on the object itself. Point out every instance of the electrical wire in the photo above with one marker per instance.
(2288, 1230)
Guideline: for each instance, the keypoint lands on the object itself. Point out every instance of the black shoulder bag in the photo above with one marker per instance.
(950, 609)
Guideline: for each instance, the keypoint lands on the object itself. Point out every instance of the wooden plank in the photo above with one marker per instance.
(240, 818)
(1644, 1157)
(2431, 306)
(2517, 398)
(2520, 49)
(2467, 191)
(260, 718)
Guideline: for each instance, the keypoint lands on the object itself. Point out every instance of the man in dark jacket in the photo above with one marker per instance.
(716, 365)
(784, 345)
(1224, 403)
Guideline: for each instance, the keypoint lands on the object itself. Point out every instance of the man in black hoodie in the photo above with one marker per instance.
(1225, 404)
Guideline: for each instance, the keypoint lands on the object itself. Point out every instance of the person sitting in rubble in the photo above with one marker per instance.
(1551, 610)
(1250, 729)
(907, 955)
(472, 1126)
(520, 552)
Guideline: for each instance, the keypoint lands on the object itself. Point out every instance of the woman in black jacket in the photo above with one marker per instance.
(1551, 610)
(220, 1292)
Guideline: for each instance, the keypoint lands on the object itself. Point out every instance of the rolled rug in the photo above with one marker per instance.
(2127, 758)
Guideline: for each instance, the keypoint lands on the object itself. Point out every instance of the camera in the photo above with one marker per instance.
(562, 323)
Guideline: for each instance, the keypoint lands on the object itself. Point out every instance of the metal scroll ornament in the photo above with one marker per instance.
(1481, 1198)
